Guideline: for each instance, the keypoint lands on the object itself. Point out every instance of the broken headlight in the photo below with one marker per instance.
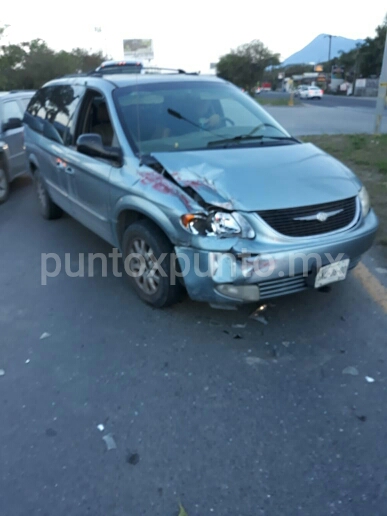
(219, 224)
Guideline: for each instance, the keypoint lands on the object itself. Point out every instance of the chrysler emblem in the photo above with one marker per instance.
(321, 216)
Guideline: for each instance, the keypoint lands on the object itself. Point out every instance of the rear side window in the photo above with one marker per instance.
(11, 109)
(51, 111)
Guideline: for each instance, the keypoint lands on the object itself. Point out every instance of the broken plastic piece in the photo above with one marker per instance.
(369, 379)
(255, 361)
(110, 442)
(286, 343)
(28, 361)
(101, 428)
(262, 319)
(239, 325)
(257, 314)
(381, 270)
(2, 372)
(45, 335)
(350, 370)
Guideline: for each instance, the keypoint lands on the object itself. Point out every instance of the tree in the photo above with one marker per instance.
(28, 65)
(366, 59)
(246, 65)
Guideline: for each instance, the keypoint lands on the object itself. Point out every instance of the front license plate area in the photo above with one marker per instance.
(331, 273)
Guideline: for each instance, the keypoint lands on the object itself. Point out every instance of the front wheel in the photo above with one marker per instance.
(150, 264)
(48, 208)
(4, 186)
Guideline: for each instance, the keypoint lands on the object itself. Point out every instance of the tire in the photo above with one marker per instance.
(48, 208)
(146, 239)
(4, 185)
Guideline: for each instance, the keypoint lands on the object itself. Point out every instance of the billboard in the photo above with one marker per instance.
(138, 48)
(338, 72)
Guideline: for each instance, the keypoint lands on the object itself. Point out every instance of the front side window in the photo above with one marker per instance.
(51, 111)
(95, 118)
(189, 115)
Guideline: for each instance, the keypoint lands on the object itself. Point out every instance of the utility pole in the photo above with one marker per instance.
(330, 36)
(382, 94)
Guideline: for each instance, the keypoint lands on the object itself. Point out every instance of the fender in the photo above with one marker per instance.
(32, 159)
(4, 156)
(153, 212)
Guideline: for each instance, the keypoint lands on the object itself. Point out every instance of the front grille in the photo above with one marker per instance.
(284, 221)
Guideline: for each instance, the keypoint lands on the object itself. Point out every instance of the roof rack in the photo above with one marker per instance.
(173, 70)
(142, 71)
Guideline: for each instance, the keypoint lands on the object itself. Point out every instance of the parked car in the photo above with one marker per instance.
(311, 92)
(300, 88)
(197, 186)
(12, 150)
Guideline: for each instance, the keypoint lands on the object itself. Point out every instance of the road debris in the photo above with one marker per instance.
(182, 511)
(239, 325)
(381, 270)
(257, 315)
(286, 343)
(369, 379)
(28, 361)
(262, 319)
(350, 370)
(237, 336)
(2, 372)
(110, 442)
(133, 458)
(45, 335)
(255, 361)
(101, 428)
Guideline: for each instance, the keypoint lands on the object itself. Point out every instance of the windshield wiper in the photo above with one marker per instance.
(251, 136)
(179, 116)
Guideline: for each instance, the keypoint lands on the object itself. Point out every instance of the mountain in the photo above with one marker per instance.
(317, 50)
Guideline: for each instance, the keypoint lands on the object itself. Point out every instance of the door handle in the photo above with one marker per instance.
(69, 170)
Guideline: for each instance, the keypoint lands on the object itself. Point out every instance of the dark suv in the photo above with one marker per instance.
(12, 150)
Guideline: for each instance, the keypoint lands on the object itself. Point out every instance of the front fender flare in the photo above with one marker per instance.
(163, 218)
(4, 156)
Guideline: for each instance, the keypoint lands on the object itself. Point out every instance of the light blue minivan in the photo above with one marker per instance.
(198, 187)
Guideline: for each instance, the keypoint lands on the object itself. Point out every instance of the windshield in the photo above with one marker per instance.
(176, 116)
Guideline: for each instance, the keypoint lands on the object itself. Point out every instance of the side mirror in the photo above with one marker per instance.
(12, 123)
(91, 145)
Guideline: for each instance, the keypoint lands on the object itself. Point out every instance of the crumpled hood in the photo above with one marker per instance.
(261, 178)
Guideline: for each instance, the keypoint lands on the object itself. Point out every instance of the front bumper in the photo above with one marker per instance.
(259, 274)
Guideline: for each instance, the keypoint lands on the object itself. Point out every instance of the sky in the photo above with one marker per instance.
(188, 35)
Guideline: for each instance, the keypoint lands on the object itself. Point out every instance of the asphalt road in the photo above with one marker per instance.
(265, 424)
(331, 100)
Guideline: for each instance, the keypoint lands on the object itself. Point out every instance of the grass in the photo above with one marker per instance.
(269, 101)
(366, 156)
